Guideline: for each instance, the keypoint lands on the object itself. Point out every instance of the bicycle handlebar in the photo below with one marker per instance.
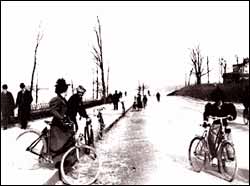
(219, 118)
(214, 118)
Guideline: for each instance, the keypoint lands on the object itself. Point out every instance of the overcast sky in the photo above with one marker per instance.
(142, 41)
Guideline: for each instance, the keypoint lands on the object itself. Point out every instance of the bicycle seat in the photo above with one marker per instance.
(100, 109)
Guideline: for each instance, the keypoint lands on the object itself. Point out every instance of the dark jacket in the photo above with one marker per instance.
(7, 104)
(23, 102)
(75, 105)
(60, 134)
(226, 109)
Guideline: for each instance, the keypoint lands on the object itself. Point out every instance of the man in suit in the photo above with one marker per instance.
(7, 106)
(23, 102)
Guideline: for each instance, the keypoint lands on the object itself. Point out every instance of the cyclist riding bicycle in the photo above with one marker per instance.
(220, 109)
(75, 105)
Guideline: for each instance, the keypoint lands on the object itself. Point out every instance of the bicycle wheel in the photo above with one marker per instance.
(89, 136)
(245, 117)
(25, 159)
(78, 167)
(196, 154)
(227, 161)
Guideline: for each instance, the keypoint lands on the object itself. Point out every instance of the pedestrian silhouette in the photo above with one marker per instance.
(158, 96)
(7, 106)
(23, 102)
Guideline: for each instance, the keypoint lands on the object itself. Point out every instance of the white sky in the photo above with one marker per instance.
(142, 41)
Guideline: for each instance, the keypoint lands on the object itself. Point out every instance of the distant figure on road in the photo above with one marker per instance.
(75, 105)
(149, 93)
(115, 99)
(23, 102)
(145, 100)
(158, 96)
(135, 103)
(122, 100)
(139, 101)
(7, 106)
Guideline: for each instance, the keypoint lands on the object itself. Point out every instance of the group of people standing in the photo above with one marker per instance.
(140, 102)
(8, 105)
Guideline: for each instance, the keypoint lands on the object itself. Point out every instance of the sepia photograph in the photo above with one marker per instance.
(125, 93)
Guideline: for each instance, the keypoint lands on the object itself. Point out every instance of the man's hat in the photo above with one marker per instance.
(81, 89)
(5, 87)
(22, 85)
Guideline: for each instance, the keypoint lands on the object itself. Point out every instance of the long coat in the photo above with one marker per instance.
(23, 102)
(59, 133)
(7, 104)
(75, 105)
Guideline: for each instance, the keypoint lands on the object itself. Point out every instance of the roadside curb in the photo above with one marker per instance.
(114, 122)
(55, 177)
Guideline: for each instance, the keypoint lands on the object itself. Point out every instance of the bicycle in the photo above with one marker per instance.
(246, 116)
(199, 152)
(83, 169)
(101, 123)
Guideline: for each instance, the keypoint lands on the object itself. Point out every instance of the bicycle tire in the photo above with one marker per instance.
(26, 160)
(245, 117)
(81, 169)
(89, 137)
(197, 159)
(227, 167)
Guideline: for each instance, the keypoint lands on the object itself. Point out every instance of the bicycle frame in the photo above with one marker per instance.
(220, 137)
(33, 145)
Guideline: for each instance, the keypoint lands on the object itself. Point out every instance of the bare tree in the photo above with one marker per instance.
(190, 74)
(93, 88)
(38, 39)
(97, 82)
(208, 70)
(197, 60)
(108, 82)
(98, 55)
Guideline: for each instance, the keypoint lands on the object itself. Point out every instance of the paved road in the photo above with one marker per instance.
(150, 146)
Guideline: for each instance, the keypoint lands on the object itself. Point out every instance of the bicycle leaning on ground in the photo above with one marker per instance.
(34, 145)
(200, 155)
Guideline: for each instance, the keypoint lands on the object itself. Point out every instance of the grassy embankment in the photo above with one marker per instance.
(233, 92)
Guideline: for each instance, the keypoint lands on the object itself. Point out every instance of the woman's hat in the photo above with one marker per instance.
(61, 82)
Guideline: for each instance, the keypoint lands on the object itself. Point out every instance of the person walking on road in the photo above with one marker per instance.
(7, 106)
(75, 105)
(145, 100)
(158, 96)
(115, 99)
(23, 102)
(139, 102)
